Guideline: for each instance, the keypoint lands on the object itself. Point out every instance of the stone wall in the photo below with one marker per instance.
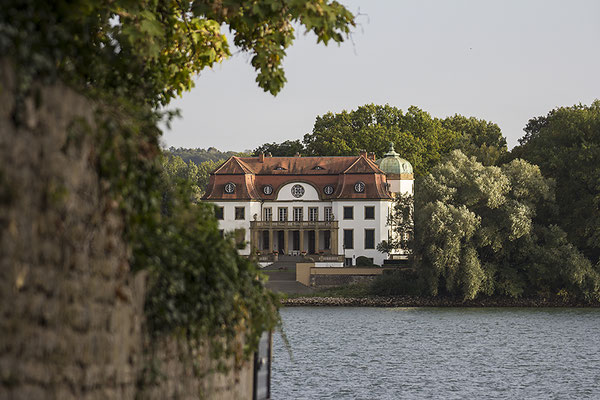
(174, 371)
(330, 281)
(322, 278)
(71, 311)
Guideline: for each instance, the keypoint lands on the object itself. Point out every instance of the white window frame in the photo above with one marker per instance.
(268, 214)
(328, 214)
(282, 214)
(298, 214)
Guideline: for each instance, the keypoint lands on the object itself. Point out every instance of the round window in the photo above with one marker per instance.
(268, 189)
(297, 191)
(359, 187)
(229, 187)
(328, 190)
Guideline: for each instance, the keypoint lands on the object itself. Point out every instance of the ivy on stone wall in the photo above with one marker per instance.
(132, 58)
(200, 287)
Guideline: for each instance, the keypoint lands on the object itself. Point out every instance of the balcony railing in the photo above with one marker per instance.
(273, 257)
(326, 258)
(268, 257)
(294, 224)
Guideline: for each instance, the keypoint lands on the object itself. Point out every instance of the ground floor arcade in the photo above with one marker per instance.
(294, 238)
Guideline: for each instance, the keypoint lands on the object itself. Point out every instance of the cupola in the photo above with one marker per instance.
(393, 164)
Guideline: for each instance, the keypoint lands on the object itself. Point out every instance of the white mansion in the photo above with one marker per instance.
(333, 209)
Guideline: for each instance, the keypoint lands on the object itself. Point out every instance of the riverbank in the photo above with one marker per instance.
(415, 301)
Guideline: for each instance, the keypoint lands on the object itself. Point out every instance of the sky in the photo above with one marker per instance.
(504, 61)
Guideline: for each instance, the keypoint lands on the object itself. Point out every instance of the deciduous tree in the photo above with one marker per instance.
(133, 57)
(288, 148)
(416, 135)
(148, 51)
(478, 232)
(478, 138)
(401, 224)
(566, 146)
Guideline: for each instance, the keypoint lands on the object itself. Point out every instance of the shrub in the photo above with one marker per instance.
(362, 261)
(398, 282)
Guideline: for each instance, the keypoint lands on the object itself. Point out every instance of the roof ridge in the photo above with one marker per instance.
(271, 157)
(370, 164)
(245, 167)
(351, 165)
(234, 159)
(374, 165)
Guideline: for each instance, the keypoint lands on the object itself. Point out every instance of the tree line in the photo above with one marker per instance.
(419, 137)
(527, 224)
(488, 221)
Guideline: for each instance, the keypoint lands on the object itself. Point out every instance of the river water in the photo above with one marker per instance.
(437, 353)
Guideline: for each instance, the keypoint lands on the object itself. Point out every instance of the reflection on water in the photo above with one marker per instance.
(438, 353)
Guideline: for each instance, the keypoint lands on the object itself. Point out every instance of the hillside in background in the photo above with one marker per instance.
(194, 166)
(198, 156)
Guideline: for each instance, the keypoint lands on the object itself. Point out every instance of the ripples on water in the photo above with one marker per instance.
(438, 353)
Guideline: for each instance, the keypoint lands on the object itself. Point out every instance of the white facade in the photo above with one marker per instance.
(401, 185)
(332, 209)
(229, 223)
(358, 223)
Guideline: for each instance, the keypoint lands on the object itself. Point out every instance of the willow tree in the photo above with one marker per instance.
(478, 231)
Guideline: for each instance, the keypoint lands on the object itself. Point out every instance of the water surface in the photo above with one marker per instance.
(438, 353)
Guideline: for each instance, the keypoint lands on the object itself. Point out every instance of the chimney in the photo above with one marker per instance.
(261, 157)
(269, 154)
(363, 153)
(372, 156)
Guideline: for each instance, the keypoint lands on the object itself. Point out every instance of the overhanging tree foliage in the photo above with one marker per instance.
(149, 50)
(133, 57)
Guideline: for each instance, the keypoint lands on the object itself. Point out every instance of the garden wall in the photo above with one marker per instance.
(325, 277)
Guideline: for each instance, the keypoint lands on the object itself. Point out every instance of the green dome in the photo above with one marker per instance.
(392, 163)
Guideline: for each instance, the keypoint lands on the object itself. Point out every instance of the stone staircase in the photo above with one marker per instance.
(282, 276)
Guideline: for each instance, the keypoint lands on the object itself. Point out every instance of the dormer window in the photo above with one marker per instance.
(318, 168)
(279, 168)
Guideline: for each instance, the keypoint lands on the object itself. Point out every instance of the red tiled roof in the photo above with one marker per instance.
(363, 165)
(301, 165)
(251, 174)
(234, 166)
